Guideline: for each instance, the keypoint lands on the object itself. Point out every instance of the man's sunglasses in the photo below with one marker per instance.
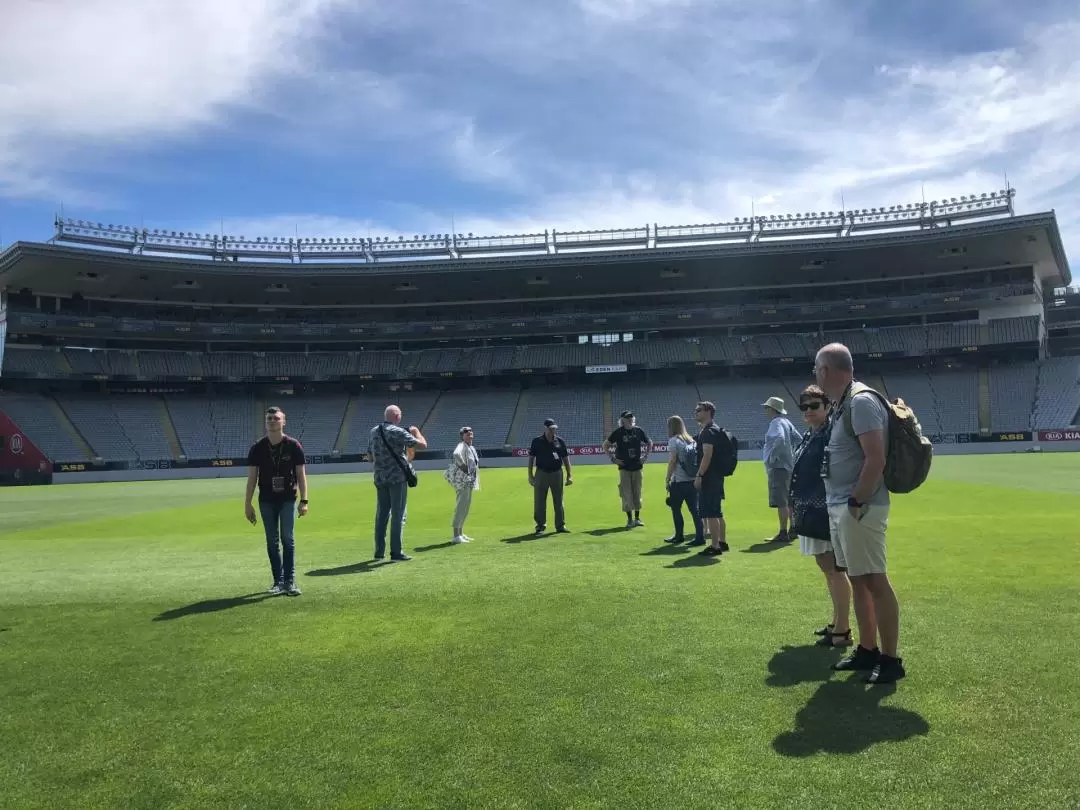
(811, 406)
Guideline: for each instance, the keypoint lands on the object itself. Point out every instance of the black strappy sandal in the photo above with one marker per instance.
(830, 639)
(824, 631)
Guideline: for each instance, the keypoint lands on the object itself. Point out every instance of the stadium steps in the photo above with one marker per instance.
(519, 417)
(877, 382)
(260, 419)
(65, 364)
(346, 420)
(431, 411)
(169, 428)
(64, 421)
(609, 415)
(984, 400)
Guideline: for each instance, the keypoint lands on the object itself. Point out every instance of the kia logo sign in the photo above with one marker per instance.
(1059, 435)
(17, 444)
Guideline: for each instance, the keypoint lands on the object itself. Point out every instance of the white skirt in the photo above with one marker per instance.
(811, 546)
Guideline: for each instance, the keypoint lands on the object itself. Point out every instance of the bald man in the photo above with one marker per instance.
(389, 446)
(854, 473)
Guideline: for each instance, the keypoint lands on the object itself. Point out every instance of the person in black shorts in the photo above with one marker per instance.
(277, 464)
(713, 445)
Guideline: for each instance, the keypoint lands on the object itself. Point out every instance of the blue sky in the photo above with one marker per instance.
(357, 117)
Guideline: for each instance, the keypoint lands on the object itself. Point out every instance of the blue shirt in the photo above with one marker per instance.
(387, 470)
(781, 440)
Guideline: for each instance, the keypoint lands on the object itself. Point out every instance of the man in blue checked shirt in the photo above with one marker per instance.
(781, 441)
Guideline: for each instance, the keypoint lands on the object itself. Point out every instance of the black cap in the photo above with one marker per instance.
(627, 415)
(550, 423)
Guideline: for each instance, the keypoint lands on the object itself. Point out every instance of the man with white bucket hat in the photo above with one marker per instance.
(781, 440)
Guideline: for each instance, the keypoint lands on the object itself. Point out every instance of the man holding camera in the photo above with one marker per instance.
(388, 448)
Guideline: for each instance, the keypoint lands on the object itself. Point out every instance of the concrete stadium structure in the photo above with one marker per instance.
(145, 352)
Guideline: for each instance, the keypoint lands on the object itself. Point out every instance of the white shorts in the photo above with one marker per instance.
(859, 545)
(812, 547)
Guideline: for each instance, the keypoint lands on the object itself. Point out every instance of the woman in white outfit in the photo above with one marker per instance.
(463, 474)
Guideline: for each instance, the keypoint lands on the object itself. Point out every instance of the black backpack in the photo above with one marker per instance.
(728, 460)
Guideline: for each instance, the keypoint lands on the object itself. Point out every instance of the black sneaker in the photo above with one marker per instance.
(860, 659)
(711, 552)
(886, 670)
(674, 539)
(696, 542)
(562, 530)
(724, 546)
(541, 529)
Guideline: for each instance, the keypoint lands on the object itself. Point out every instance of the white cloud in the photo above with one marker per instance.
(108, 72)
(578, 113)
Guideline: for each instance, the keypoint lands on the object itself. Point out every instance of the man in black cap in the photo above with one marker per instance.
(629, 448)
(547, 457)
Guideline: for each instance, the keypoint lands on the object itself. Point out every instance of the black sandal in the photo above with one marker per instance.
(824, 631)
(830, 639)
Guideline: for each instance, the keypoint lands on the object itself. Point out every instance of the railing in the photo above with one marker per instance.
(456, 246)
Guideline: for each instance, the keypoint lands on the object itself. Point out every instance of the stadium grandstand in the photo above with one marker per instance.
(136, 349)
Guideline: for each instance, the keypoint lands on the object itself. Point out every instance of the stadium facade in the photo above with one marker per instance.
(131, 350)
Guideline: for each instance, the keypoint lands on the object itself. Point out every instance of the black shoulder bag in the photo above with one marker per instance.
(410, 476)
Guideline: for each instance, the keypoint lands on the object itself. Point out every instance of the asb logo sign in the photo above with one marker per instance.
(17, 444)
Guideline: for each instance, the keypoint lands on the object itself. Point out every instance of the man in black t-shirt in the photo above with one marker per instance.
(547, 458)
(713, 445)
(629, 448)
(276, 463)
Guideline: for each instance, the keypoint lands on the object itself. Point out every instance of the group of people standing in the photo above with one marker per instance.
(827, 486)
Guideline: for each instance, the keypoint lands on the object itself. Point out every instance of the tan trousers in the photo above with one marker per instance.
(630, 489)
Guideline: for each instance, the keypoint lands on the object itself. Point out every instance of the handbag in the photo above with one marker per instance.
(410, 476)
(809, 509)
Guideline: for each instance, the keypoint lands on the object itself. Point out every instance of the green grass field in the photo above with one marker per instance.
(140, 666)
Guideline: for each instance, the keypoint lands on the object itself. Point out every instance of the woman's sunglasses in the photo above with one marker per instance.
(810, 406)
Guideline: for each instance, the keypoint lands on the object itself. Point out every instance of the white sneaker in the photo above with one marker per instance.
(466, 538)
(459, 539)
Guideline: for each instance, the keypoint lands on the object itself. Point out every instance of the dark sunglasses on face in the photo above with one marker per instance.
(810, 406)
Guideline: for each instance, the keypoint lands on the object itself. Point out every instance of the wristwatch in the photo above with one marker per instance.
(303, 502)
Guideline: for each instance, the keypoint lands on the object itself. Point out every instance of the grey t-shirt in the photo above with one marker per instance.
(846, 454)
(677, 448)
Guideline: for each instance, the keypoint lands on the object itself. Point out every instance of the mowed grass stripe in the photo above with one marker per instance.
(559, 671)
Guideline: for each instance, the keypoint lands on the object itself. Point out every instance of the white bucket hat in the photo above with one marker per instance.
(777, 404)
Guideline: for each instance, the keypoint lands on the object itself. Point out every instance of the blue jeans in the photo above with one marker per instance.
(683, 492)
(390, 508)
(278, 519)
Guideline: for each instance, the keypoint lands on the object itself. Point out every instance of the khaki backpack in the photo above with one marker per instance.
(909, 453)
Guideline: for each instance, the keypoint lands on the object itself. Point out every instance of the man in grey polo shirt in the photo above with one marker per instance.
(859, 513)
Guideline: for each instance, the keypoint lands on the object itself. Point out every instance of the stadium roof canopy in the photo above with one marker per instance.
(927, 239)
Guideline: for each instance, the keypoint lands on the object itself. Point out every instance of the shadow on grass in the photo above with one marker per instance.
(365, 567)
(524, 538)
(605, 532)
(421, 549)
(665, 550)
(213, 606)
(766, 547)
(694, 561)
(843, 716)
